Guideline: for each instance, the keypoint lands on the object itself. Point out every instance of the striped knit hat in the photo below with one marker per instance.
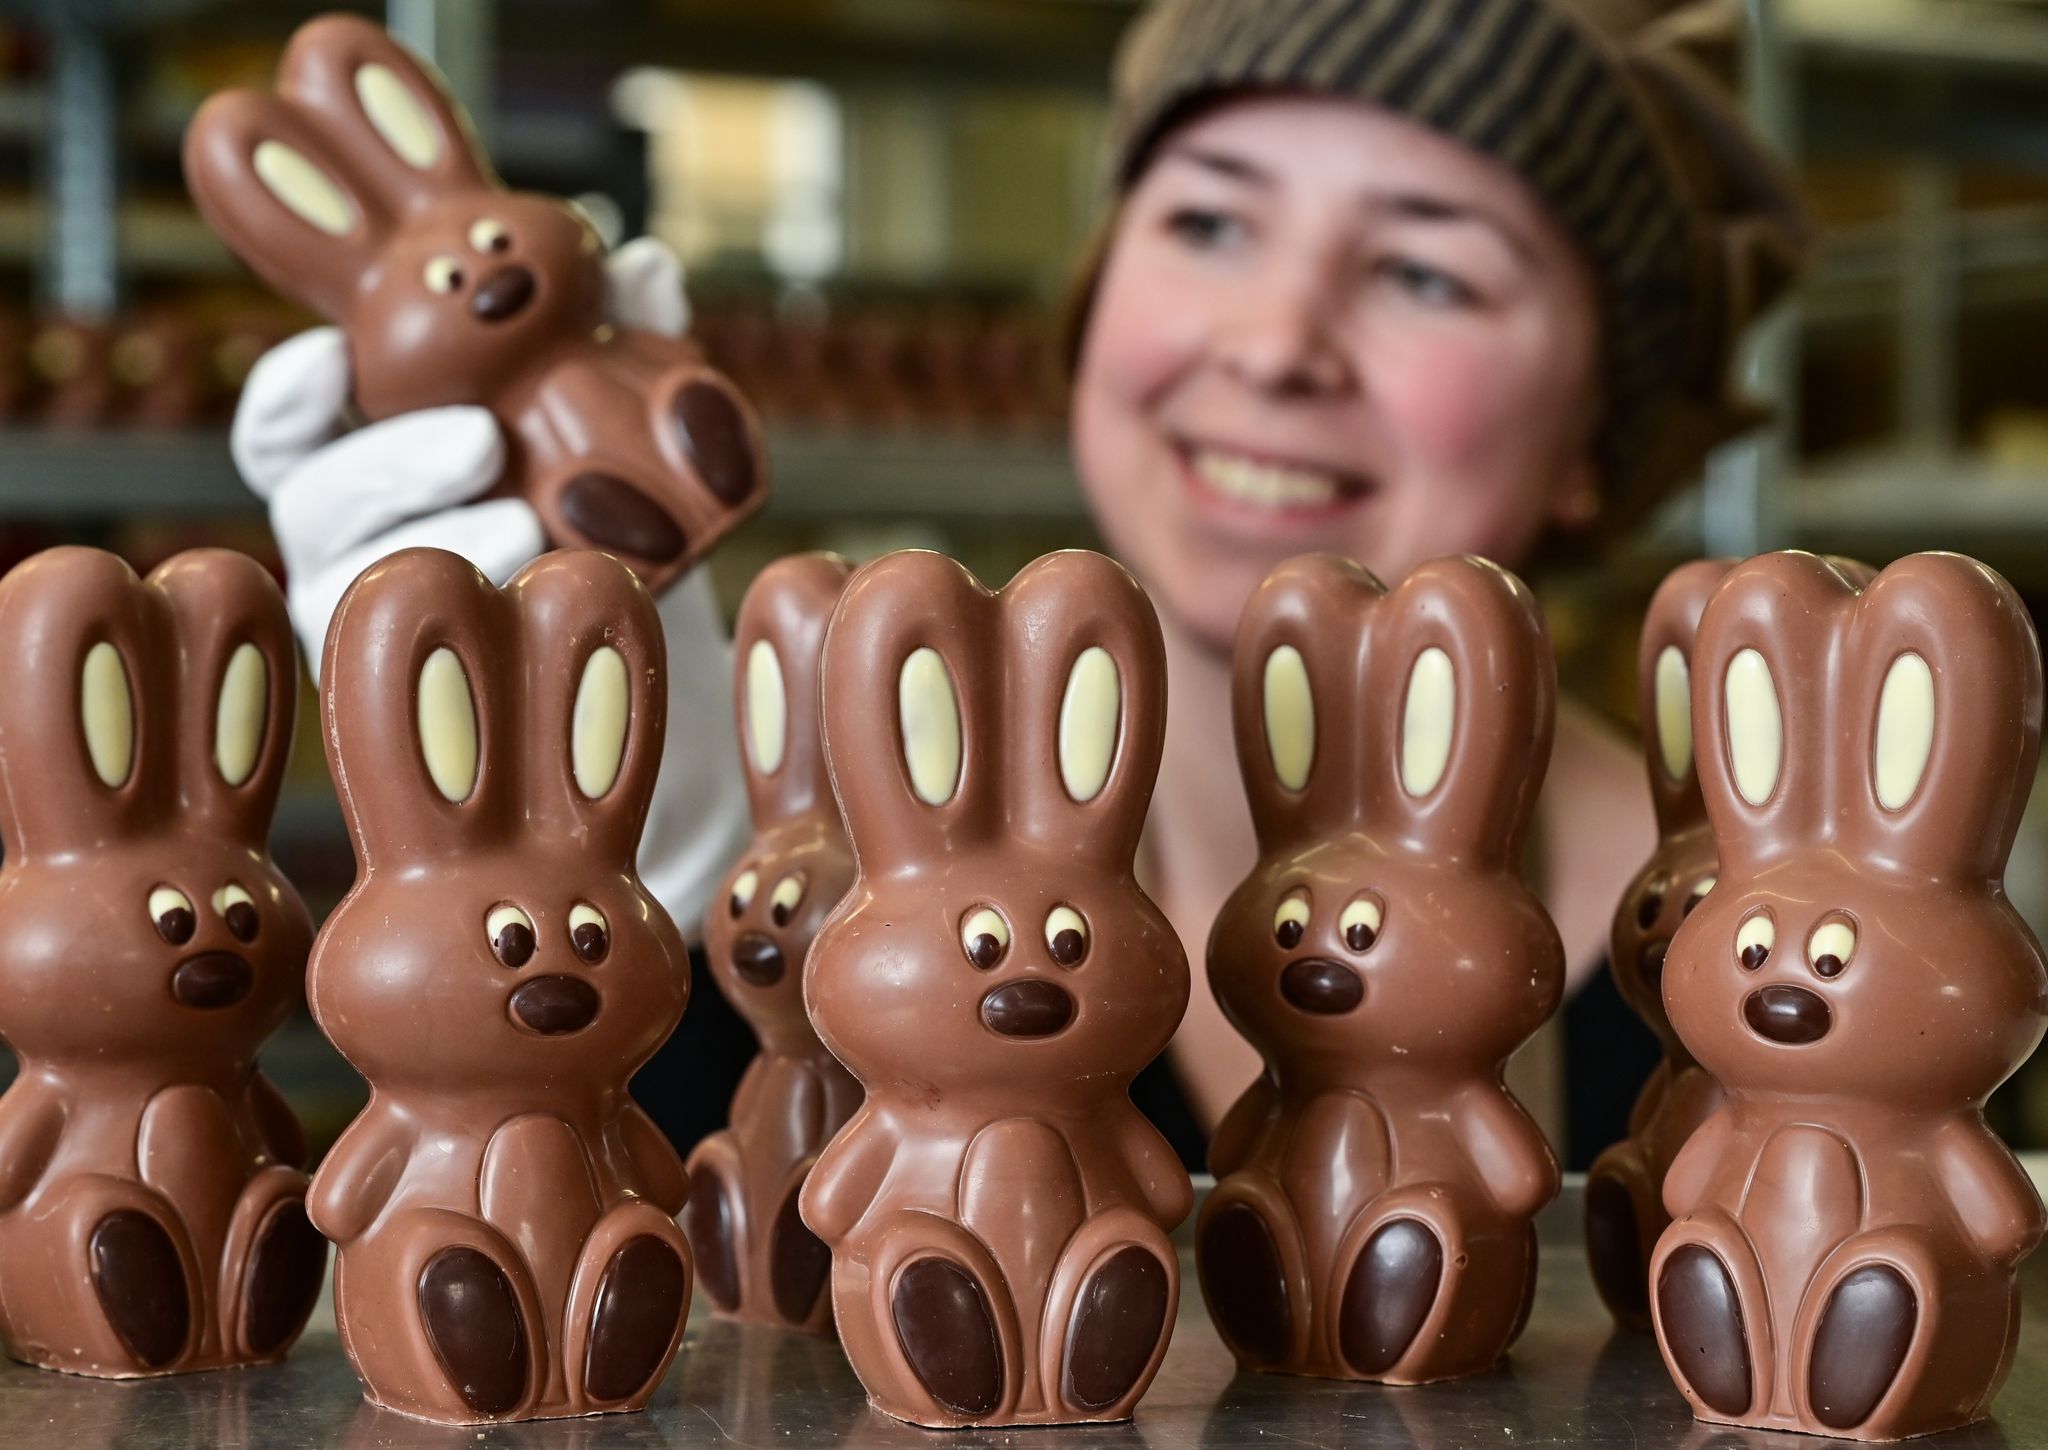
(1617, 113)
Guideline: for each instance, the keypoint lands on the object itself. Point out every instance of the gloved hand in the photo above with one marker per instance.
(339, 501)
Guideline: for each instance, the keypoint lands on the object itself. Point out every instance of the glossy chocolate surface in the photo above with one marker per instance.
(1377, 1183)
(503, 1210)
(152, 1198)
(997, 1210)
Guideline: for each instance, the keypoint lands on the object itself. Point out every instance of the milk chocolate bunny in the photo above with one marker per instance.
(504, 1211)
(1845, 1227)
(358, 190)
(1375, 1185)
(152, 1203)
(997, 1210)
(754, 1255)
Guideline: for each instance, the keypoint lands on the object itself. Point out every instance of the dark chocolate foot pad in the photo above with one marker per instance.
(1614, 1249)
(639, 1304)
(1118, 1319)
(472, 1319)
(707, 1223)
(1246, 1286)
(1389, 1294)
(714, 436)
(949, 1336)
(798, 1263)
(1703, 1331)
(1862, 1340)
(141, 1285)
(284, 1278)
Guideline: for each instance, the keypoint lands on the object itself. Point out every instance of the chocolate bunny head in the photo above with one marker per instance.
(994, 756)
(1864, 753)
(798, 864)
(141, 750)
(1392, 743)
(495, 752)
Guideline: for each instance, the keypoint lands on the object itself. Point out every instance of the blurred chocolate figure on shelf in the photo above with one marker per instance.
(1399, 282)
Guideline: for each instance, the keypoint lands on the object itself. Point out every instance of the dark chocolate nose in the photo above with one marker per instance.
(757, 959)
(1029, 1008)
(612, 514)
(1317, 984)
(554, 1005)
(1650, 960)
(212, 979)
(503, 294)
(1791, 1015)
(716, 441)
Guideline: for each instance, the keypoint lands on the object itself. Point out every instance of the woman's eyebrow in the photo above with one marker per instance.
(1423, 207)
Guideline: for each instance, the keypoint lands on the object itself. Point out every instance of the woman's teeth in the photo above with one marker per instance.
(1272, 485)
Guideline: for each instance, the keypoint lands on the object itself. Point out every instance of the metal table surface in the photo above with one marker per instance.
(1572, 1380)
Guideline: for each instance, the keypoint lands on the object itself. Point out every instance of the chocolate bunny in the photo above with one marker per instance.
(1376, 1184)
(997, 1210)
(754, 1256)
(503, 1210)
(152, 1203)
(359, 191)
(1846, 1228)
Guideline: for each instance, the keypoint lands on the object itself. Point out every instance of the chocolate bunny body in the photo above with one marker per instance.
(1845, 1227)
(152, 1203)
(754, 1256)
(503, 1210)
(997, 1210)
(1376, 1184)
(358, 190)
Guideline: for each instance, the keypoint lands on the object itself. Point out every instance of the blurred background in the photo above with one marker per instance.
(879, 202)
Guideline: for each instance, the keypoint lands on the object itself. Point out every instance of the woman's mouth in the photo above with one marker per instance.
(1243, 483)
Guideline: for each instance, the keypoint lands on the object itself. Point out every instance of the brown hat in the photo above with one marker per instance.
(1618, 113)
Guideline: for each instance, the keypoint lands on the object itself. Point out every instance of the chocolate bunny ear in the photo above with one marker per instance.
(1664, 658)
(237, 690)
(777, 643)
(416, 690)
(85, 727)
(592, 699)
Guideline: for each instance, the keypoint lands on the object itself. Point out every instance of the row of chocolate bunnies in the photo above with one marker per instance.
(949, 787)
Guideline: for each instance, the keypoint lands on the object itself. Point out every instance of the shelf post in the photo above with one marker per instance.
(81, 274)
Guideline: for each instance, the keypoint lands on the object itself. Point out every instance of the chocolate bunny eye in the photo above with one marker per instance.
(1650, 905)
(489, 235)
(985, 936)
(1754, 940)
(1831, 946)
(1290, 921)
(587, 933)
(238, 909)
(441, 274)
(743, 888)
(1066, 936)
(171, 910)
(1699, 894)
(511, 934)
(1360, 923)
(784, 899)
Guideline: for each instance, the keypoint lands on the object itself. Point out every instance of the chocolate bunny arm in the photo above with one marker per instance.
(29, 1132)
(849, 1174)
(359, 1174)
(1508, 1150)
(1993, 1196)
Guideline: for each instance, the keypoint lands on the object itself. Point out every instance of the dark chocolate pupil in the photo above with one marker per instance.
(780, 912)
(1649, 908)
(737, 906)
(590, 941)
(241, 919)
(1068, 946)
(1753, 955)
(984, 950)
(176, 926)
(1690, 902)
(1288, 934)
(1358, 936)
(1828, 964)
(514, 944)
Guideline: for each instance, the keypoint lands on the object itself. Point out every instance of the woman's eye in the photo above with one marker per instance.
(1205, 230)
(1427, 284)
(171, 910)
(489, 235)
(511, 934)
(985, 936)
(784, 899)
(442, 275)
(1290, 922)
(1831, 946)
(238, 909)
(743, 888)
(1754, 940)
(1360, 923)
(1066, 936)
(587, 933)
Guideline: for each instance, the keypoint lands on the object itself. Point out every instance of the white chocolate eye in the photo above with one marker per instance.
(588, 934)
(985, 936)
(1290, 920)
(442, 274)
(237, 908)
(1831, 946)
(511, 934)
(1066, 936)
(782, 901)
(1360, 923)
(171, 911)
(1699, 894)
(489, 235)
(743, 889)
(1754, 940)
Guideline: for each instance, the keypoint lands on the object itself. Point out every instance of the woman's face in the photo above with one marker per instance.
(1324, 327)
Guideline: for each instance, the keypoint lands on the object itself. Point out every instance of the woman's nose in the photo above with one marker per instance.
(1279, 339)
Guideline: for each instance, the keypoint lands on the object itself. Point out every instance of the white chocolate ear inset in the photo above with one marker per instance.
(305, 190)
(398, 116)
(1427, 722)
(1290, 717)
(597, 730)
(928, 714)
(1756, 726)
(1674, 712)
(107, 710)
(241, 713)
(1905, 730)
(767, 709)
(1089, 715)
(447, 725)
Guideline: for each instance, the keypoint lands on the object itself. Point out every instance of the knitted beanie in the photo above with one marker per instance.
(1619, 115)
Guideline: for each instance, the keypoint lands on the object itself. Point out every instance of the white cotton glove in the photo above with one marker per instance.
(340, 501)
